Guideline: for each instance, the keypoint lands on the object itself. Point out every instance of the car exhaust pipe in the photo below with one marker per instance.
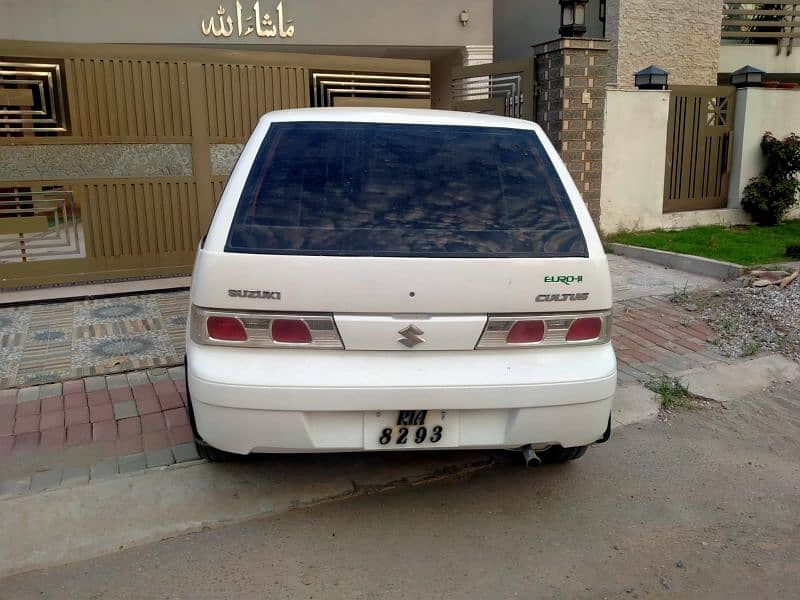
(528, 455)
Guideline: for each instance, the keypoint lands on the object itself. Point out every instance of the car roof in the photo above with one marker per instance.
(408, 116)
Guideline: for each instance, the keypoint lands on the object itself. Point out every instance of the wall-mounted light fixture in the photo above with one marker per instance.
(651, 78)
(747, 76)
(573, 18)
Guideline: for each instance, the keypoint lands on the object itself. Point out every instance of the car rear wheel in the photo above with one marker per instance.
(212, 454)
(558, 454)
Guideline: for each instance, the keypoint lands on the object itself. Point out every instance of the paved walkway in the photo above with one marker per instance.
(96, 427)
(654, 337)
(636, 278)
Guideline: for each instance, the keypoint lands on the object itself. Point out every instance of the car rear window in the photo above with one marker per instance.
(377, 189)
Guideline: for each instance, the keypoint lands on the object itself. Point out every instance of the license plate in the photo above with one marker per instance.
(409, 429)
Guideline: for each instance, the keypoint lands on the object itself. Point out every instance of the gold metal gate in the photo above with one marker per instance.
(500, 88)
(699, 147)
(112, 158)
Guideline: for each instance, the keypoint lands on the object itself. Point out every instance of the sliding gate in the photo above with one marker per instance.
(112, 158)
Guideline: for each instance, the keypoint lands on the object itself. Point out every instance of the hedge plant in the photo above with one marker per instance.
(768, 198)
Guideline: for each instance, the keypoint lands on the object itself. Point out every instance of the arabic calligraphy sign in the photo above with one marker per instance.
(259, 22)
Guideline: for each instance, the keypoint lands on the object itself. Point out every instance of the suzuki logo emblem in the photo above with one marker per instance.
(411, 336)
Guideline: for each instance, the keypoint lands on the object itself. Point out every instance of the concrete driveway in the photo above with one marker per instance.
(704, 504)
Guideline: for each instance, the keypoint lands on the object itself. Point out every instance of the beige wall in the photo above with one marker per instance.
(316, 22)
(734, 56)
(759, 110)
(681, 36)
(634, 156)
(634, 160)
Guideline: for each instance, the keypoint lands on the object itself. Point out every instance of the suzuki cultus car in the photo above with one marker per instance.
(393, 279)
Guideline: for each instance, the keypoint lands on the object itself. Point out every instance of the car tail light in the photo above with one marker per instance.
(525, 331)
(290, 331)
(263, 330)
(584, 329)
(229, 329)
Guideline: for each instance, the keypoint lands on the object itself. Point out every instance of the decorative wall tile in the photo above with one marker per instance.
(114, 351)
(94, 161)
(111, 310)
(53, 342)
(223, 158)
(14, 320)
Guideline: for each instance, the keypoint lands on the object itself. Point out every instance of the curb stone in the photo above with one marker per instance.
(14, 487)
(75, 476)
(104, 469)
(45, 480)
(73, 523)
(159, 458)
(132, 463)
(185, 452)
(633, 403)
(724, 382)
(683, 262)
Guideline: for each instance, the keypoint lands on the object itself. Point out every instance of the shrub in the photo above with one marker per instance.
(793, 250)
(783, 156)
(767, 198)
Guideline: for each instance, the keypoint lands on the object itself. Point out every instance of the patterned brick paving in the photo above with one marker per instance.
(654, 337)
(136, 420)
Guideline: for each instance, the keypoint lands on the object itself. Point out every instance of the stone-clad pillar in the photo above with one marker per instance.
(571, 77)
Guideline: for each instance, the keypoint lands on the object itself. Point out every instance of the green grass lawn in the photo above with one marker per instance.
(744, 245)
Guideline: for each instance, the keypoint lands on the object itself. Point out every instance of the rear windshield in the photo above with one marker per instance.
(377, 189)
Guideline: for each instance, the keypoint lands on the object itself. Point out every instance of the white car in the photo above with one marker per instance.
(394, 279)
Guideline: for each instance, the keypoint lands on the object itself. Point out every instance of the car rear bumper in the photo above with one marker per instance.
(247, 400)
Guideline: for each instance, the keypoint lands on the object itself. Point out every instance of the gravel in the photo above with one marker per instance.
(751, 320)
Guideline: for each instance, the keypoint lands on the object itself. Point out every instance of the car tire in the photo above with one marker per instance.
(212, 454)
(558, 454)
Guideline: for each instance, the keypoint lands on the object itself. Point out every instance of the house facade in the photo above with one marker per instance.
(120, 121)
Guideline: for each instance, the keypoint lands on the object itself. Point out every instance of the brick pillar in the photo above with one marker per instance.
(571, 77)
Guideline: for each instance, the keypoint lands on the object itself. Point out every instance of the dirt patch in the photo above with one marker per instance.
(751, 320)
